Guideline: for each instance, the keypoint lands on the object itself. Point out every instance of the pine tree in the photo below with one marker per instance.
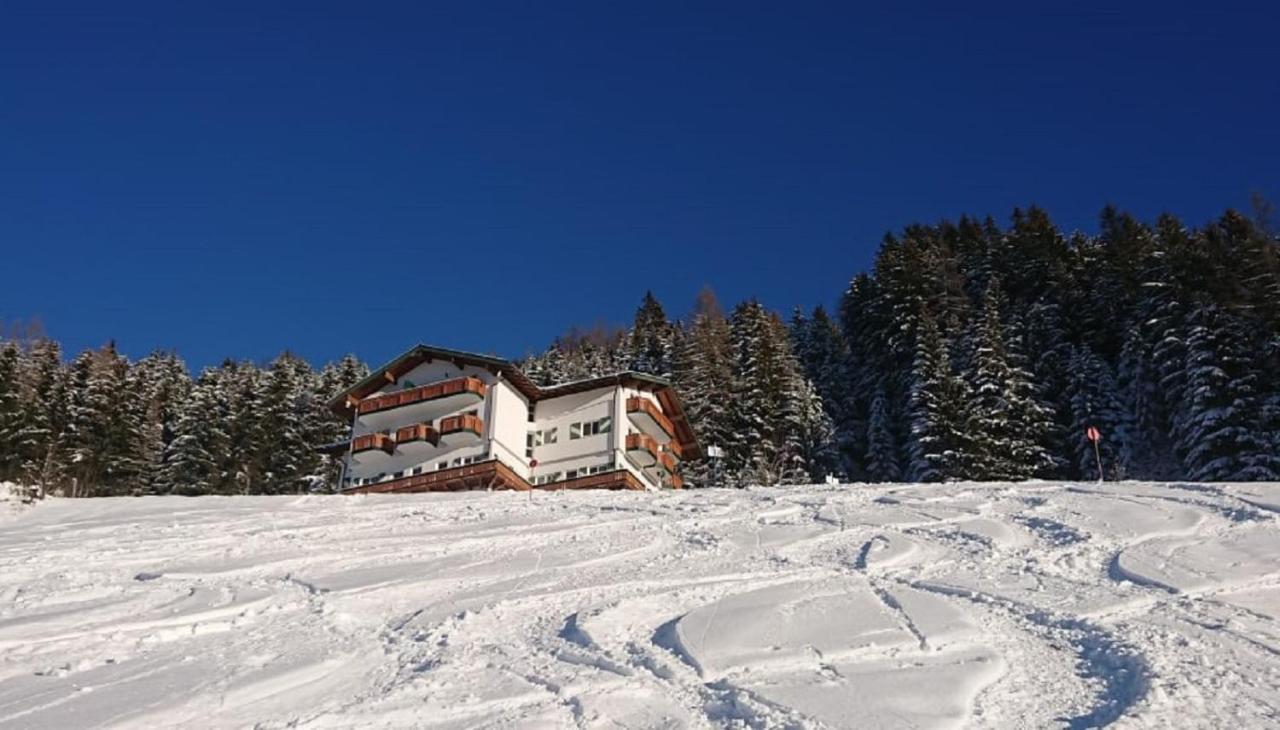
(1217, 429)
(17, 433)
(651, 340)
(809, 437)
(882, 447)
(821, 349)
(1009, 423)
(939, 444)
(48, 393)
(1096, 402)
(285, 457)
(193, 458)
(704, 378)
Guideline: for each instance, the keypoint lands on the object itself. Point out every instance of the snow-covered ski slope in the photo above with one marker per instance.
(907, 606)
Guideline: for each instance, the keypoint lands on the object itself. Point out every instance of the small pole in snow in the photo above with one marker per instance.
(1094, 435)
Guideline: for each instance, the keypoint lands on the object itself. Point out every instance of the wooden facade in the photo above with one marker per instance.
(494, 475)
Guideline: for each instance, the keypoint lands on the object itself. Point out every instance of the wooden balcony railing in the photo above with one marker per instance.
(666, 461)
(638, 405)
(457, 386)
(643, 442)
(371, 441)
(459, 424)
(417, 432)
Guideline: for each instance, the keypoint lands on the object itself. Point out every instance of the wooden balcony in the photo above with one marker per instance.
(423, 402)
(666, 463)
(416, 437)
(460, 430)
(372, 447)
(649, 418)
(642, 449)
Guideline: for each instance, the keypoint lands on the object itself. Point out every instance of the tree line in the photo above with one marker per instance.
(970, 351)
(101, 425)
(973, 351)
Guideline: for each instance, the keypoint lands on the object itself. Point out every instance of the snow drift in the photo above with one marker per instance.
(1031, 605)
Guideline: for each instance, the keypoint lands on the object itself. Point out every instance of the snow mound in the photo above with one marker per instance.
(897, 606)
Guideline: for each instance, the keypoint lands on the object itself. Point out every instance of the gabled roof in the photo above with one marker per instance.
(419, 354)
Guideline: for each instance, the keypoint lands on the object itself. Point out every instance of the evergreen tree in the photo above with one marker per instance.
(939, 445)
(704, 378)
(193, 458)
(1096, 401)
(1218, 428)
(882, 447)
(821, 349)
(285, 456)
(1009, 423)
(17, 434)
(651, 340)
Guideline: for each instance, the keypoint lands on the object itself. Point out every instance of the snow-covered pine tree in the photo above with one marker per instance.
(47, 390)
(158, 384)
(334, 378)
(809, 437)
(753, 453)
(285, 456)
(193, 459)
(242, 389)
(703, 375)
(939, 444)
(1009, 423)
(1218, 427)
(882, 447)
(17, 432)
(651, 340)
(1096, 401)
(820, 347)
(102, 434)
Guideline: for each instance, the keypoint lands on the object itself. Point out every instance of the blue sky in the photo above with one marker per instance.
(236, 180)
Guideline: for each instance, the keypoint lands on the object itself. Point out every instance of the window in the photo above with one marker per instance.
(538, 438)
(591, 428)
(547, 478)
(572, 473)
(442, 465)
(408, 384)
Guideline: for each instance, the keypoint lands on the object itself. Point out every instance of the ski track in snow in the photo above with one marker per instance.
(887, 606)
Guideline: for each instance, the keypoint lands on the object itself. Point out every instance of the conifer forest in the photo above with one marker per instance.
(971, 351)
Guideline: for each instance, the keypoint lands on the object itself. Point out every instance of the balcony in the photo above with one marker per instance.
(642, 449)
(423, 403)
(649, 418)
(666, 465)
(372, 448)
(416, 439)
(460, 430)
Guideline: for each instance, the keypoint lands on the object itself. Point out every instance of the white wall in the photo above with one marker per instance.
(508, 424)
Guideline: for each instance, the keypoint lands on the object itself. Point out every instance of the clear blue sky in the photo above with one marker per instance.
(229, 180)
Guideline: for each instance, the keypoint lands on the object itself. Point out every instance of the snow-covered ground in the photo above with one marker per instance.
(1019, 606)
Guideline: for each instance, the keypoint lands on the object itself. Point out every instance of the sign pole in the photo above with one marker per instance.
(1094, 435)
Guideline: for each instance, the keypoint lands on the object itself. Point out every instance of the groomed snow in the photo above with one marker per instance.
(1018, 606)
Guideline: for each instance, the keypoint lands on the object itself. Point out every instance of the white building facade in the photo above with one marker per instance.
(435, 419)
